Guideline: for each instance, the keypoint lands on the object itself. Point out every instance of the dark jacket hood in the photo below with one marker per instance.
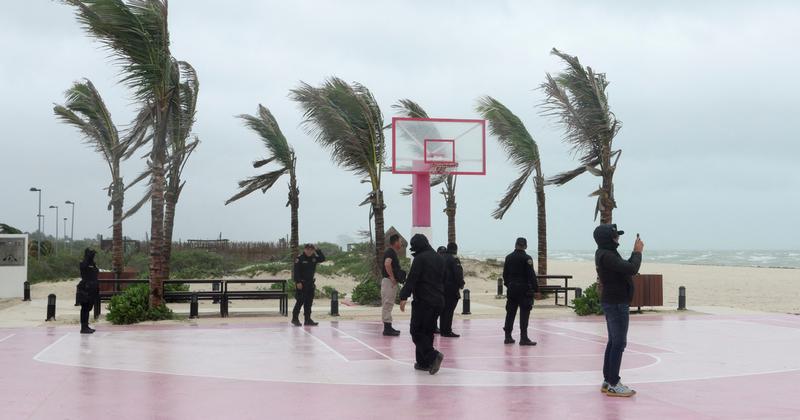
(419, 243)
(604, 237)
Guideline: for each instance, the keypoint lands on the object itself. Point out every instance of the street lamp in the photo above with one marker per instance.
(39, 226)
(56, 241)
(72, 229)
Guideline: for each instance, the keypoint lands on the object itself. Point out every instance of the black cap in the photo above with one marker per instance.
(441, 250)
(521, 242)
(618, 232)
(452, 248)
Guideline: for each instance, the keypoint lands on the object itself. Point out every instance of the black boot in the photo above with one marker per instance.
(310, 322)
(86, 330)
(296, 322)
(509, 339)
(389, 331)
(450, 334)
(525, 341)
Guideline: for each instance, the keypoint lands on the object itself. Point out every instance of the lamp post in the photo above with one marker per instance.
(72, 221)
(39, 225)
(65, 230)
(56, 241)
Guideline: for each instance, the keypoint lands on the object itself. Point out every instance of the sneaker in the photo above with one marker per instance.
(437, 363)
(619, 390)
(417, 366)
(296, 322)
(604, 387)
(310, 322)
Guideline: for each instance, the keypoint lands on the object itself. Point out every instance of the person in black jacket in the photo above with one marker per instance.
(453, 282)
(519, 278)
(616, 291)
(425, 281)
(88, 290)
(305, 266)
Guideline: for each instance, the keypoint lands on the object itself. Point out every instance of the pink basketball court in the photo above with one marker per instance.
(683, 367)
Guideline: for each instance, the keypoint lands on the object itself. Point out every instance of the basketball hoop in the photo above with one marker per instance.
(440, 168)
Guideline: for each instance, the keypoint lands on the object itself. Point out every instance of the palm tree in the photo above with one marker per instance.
(346, 120)
(411, 109)
(136, 34)
(577, 99)
(279, 151)
(85, 110)
(523, 152)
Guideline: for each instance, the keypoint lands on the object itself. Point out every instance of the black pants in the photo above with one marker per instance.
(518, 300)
(85, 309)
(446, 318)
(423, 322)
(305, 298)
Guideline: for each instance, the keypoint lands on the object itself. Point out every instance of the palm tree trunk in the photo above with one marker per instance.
(450, 210)
(541, 219)
(606, 199)
(294, 203)
(379, 231)
(171, 201)
(116, 242)
(158, 157)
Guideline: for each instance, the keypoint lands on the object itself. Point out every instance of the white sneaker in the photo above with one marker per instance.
(604, 387)
(619, 390)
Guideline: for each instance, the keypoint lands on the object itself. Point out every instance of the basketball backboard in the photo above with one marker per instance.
(438, 145)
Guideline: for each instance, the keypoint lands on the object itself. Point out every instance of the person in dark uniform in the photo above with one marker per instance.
(425, 282)
(453, 283)
(88, 290)
(519, 278)
(305, 266)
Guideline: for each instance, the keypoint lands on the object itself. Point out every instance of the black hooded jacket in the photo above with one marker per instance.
(453, 276)
(88, 289)
(426, 276)
(615, 273)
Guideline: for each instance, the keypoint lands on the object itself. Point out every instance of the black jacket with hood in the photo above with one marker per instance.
(425, 278)
(615, 273)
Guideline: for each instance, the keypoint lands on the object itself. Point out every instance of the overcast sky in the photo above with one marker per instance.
(707, 93)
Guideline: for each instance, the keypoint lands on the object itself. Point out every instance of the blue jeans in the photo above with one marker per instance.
(617, 317)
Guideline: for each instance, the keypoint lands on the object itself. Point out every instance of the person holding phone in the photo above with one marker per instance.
(615, 275)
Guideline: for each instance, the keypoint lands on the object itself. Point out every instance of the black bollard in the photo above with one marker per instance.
(499, 286)
(335, 303)
(26, 292)
(578, 292)
(215, 288)
(51, 307)
(681, 298)
(223, 307)
(465, 304)
(193, 310)
(97, 308)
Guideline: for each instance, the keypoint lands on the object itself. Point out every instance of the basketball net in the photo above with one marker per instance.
(442, 167)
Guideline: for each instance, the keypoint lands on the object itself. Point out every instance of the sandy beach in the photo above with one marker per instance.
(732, 288)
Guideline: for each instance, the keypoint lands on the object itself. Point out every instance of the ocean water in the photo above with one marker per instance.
(734, 258)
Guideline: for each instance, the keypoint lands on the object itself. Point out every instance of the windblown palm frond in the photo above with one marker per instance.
(410, 109)
(136, 35)
(259, 182)
(86, 111)
(516, 141)
(346, 120)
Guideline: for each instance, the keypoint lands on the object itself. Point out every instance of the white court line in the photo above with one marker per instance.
(6, 338)
(327, 346)
(369, 347)
(605, 338)
(48, 347)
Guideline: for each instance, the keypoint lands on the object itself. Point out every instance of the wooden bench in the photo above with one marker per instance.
(558, 289)
(279, 294)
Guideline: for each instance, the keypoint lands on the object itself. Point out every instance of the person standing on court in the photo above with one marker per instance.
(453, 283)
(88, 289)
(519, 278)
(305, 267)
(392, 275)
(425, 282)
(616, 291)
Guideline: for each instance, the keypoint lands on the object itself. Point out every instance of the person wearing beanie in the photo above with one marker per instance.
(519, 278)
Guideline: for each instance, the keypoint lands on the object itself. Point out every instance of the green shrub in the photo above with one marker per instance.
(368, 292)
(132, 306)
(589, 302)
